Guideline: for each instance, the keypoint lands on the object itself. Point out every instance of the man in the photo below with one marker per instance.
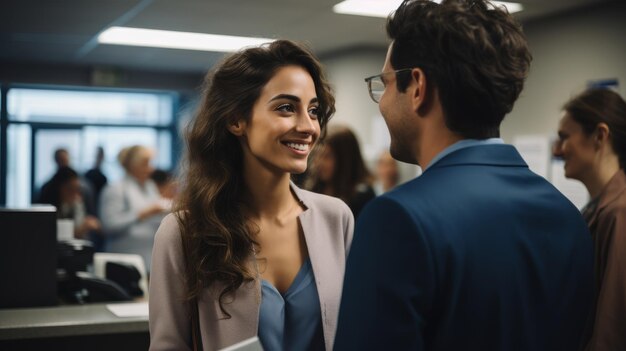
(95, 177)
(478, 253)
(61, 158)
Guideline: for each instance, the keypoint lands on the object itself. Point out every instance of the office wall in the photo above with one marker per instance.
(346, 73)
(568, 51)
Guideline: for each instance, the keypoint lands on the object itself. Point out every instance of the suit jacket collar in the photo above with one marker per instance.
(502, 155)
(611, 192)
(300, 194)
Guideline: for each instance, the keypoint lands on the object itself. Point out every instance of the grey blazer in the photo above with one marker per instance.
(327, 223)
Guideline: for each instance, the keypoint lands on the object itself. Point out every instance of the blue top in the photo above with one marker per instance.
(292, 321)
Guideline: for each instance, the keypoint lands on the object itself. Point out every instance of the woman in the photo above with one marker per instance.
(64, 192)
(341, 172)
(131, 209)
(258, 255)
(592, 141)
(387, 173)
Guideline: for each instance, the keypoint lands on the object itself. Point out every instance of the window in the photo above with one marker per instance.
(87, 107)
(41, 120)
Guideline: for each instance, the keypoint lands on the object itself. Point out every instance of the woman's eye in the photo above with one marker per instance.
(314, 111)
(285, 108)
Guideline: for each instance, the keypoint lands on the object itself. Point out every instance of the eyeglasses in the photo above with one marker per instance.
(376, 84)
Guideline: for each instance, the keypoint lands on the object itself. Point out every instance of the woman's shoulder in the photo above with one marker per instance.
(615, 210)
(169, 230)
(612, 203)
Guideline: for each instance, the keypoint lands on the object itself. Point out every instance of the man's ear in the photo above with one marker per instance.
(238, 128)
(419, 89)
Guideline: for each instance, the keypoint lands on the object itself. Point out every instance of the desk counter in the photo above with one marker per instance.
(66, 321)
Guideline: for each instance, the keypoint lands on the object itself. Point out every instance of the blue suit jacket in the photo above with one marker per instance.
(478, 253)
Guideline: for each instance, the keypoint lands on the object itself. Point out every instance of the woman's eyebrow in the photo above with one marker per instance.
(285, 96)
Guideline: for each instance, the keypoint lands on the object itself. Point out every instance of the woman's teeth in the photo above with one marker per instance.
(300, 147)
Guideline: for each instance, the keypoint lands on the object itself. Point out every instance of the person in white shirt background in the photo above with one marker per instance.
(131, 209)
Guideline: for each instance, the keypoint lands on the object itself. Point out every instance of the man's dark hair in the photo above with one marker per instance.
(474, 53)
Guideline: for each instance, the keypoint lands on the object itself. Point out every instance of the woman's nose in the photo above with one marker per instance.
(557, 149)
(305, 124)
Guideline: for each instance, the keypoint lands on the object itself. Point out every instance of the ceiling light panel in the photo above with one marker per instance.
(177, 40)
(382, 8)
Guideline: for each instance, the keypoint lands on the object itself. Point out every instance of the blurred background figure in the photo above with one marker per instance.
(387, 173)
(131, 210)
(165, 182)
(64, 192)
(339, 170)
(95, 177)
(592, 142)
(62, 159)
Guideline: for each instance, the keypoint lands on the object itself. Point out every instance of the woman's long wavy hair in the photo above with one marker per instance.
(218, 238)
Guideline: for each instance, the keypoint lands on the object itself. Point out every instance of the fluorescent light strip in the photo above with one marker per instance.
(379, 8)
(512, 7)
(177, 40)
(370, 8)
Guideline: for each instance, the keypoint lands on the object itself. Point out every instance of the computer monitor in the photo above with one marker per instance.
(28, 257)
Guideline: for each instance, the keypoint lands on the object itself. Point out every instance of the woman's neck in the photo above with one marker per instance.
(268, 194)
(602, 175)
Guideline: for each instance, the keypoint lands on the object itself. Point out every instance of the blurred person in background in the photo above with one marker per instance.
(131, 210)
(96, 178)
(341, 172)
(592, 142)
(62, 159)
(64, 192)
(165, 182)
(387, 173)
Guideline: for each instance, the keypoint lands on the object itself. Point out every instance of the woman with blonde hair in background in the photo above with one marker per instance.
(131, 210)
(592, 142)
(247, 252)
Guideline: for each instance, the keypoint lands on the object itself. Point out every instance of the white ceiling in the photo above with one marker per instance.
(64, 31)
